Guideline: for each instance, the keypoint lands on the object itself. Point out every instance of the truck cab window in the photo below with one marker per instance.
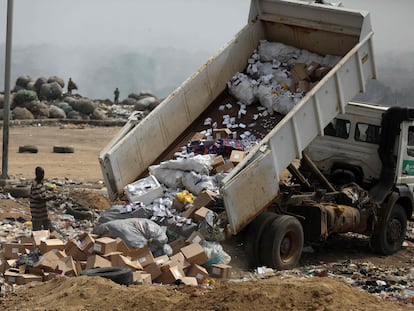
(338, 128)
(367, 133)
(410, 142)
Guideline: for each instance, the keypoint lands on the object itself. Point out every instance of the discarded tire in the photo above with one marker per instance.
(28, 149)
(120, 275)
(63, 149)
(18, 191)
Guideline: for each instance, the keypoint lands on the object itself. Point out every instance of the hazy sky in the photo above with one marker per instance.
(102, 26)
(191, 24)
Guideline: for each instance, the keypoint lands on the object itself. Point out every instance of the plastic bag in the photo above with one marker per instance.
(269, 51)
(132, 210)
(196, 182)
(135, 232)
(215, 254)
(199, 163)
(242, 88)
(167, 177)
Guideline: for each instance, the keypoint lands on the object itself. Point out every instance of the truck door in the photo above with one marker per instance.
(405, 168)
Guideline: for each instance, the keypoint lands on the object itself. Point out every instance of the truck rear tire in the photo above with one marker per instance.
(391, 235)
(282, 243)
(254, 234)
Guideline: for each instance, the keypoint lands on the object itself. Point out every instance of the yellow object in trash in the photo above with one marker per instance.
(275, 93)
(28, 223)
(285, 86)
(185, 197)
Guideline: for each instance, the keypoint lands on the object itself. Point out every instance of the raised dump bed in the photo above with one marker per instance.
(253, 184)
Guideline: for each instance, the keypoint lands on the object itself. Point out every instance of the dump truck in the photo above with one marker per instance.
(275, 215)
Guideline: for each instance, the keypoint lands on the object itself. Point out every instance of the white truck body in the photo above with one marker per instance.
(253, 184)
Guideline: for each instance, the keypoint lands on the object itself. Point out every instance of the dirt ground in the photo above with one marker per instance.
(278, 292)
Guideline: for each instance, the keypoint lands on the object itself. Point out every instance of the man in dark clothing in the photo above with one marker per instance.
(71, 86)
(38, 199)
(116, 99)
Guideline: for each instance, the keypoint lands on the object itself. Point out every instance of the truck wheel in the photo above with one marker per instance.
(282, 243)
(120, 275)
(391, 235)
(254, 234)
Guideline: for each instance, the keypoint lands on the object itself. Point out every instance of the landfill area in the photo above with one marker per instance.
(165, 240)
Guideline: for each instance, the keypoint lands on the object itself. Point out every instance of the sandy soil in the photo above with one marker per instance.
(90, 293)
(82, 165)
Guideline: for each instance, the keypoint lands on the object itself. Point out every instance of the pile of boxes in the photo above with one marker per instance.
(90, 251)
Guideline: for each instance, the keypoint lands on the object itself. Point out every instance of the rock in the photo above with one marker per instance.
(56, 112)
(31, 86)
(57, 80)
(98, 114)
(22, 81)
(50, 91)
(39, 82)
(129, 102)
(74, 115)
(24, 97)
(40, 110)
(147, 103)
(65, 107)
(20, 113)
(83, 105)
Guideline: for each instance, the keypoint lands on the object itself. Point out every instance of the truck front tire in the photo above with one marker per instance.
(391, 234)
(282, 243)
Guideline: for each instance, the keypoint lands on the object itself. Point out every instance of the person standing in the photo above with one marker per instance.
(38, 199)
(71, 86)
(116, 99)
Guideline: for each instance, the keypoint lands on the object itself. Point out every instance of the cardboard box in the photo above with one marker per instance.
(197, 136)
(320, 72)
(160, 260)
(199, 272)
(11, 277)
(72, 249)
(189, 280)
(9, 264)
(237, 156)
(14, 250)
(49, 261)
(122, 247)
(194, 254)
(179, 260)
(145, 190)
(222, 133)
(201, 213)
(176, 245)
(170, 275)
(299, 72)
(104, 245)
(302, 86)
(28, 278)
(123, 261)
(144, 256)
(67, 266)
(310, 69)
(40, 235)
(205, 198)
(178, 205)
(218, 161)
(49, 244)
(195, 237)
(226, 167)
(189, 212)
(154, 270)
(141, 278)
(221, 271)
(86, 242)
(96, 261)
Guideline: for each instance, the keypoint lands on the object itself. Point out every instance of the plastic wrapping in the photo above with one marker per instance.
(199, 163)
(215, 254)
(196, 182)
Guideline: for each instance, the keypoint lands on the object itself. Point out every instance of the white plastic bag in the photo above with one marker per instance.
(269, 51)
(242, 88)
(167, 177)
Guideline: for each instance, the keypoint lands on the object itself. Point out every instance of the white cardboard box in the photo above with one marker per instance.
(145, 190)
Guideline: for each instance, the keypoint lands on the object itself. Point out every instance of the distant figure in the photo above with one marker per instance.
(38, 199)
(116, 99)
(71, 86)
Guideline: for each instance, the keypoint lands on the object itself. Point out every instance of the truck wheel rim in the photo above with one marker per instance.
(286, 246)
